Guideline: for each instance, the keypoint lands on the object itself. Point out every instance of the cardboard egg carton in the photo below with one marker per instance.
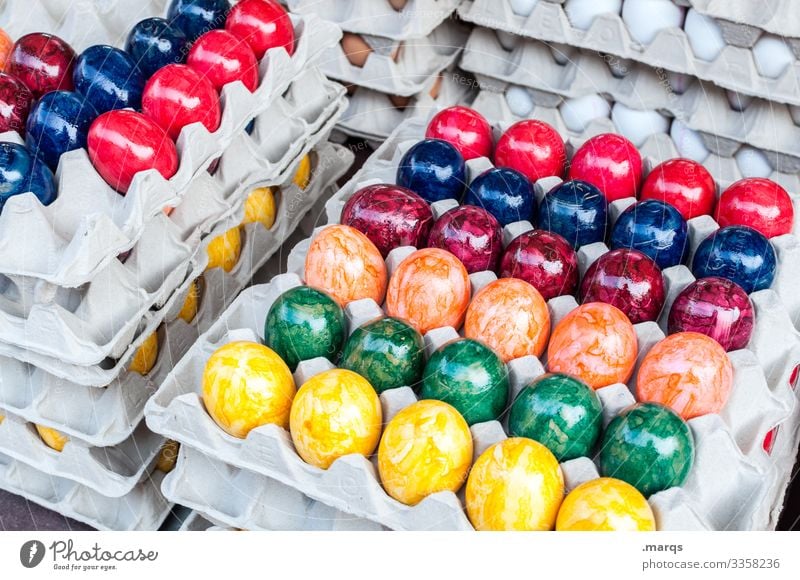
(742, 23)
(416, 20)
(198, 522)
(734, 68)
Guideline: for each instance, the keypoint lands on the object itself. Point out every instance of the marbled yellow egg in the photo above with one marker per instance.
(52, 438)
(605, 505)
(224, 250)
(168, 456)
(145, 356)
(260, 207)
(302, 176)
(191, 303)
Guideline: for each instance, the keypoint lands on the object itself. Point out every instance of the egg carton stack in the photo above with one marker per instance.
(744, 455)
(73, 317)
(722, 77)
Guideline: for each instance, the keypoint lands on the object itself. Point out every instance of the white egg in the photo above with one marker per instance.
(619, 67)
(577, 113)
(772, 56)
(752, 162)
(794, 111)
(705, 35)
(581, 13)
(646, 18)
(519, 100)
(638, 125)
(688, 142)
(563, 53)
(738, 101)
(507, 40)
(679, 82)
(523, 7)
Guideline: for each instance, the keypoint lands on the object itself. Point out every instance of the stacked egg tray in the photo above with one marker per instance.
(744, 456)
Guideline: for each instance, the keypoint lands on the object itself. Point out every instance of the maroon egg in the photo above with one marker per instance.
(627, 279)
(471, 234)
(390, 216)
(222, 58)
(15, 104)
(544, 260)
(43, 62)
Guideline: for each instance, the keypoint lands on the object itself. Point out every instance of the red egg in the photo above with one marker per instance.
(263, 24)
(15, 104)
(684, 184)
(544, 260)
(611, 163)
(178, 95)
(122, 143)
(222, 58)
(464, 128)
(43, 62)
(757, 203)
(533, 148)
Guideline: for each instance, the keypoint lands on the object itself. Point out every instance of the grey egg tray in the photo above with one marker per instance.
(199, 522)
(743, 23)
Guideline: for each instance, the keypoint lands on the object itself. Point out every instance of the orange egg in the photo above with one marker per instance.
(344, 263)
(5, 48)
(688, 372)
(596, 343)
(355, 49)
(510, 316)
(429, 289)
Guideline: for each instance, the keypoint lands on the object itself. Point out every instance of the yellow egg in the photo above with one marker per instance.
(515, 485)
(168, 456)
(54, 439)
(191, 304)
(605, 505)
(335, 413)
(246, 385)
(145, 356)
(260, 207)
(303, 174)
(425, 448)
(224, 250)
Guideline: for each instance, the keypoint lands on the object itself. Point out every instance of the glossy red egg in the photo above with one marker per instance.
(222, 58)
(684, 184)
(43, 62)
(263, 24)
(611, 163)
(544, 260)
(533, 148)
(757, 203)
(15, 104)
(464, 128)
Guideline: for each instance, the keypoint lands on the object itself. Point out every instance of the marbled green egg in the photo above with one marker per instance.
(387, 352)
(560, 412)
(469, 376)
(304, 323)
(649, 446)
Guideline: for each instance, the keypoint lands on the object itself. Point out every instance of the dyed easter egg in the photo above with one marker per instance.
(335, 413)
(224, 250)
(575, 210)
(6, 45)
(688, 372)
(560, 412)
(344, 263)
(611, 163)
(153, 44)
(302, 177)
(595, 343)
(533, 148)
(108, 78)
(387, 352)
(259, 207)
(504, 193)
(717, 308)
(263, 24)
(21, 173)
(469, 376)
(739, 254)
(429, 289)
(654, 228)
(168, 456)
(390, 216)
(605, 504)
(515, 485)
(544, 260)
(628, 280)
(304, 323)
(466, 129)
(648, 446)
(433, 169)
(144, 359)
(54, 439)
(196, 17)
(43, 62)
(191, 303)
(59, 122)
(15, 104)
(471, 234)
(246, 385)
(222, 58)
(757, 203)
(426, 448)
(684, 184)
(176, 96)
(123, 143)
(511, 317)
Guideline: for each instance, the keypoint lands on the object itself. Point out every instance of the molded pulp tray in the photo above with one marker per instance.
(742, 23)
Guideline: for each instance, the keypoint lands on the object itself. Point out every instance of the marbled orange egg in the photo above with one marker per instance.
(688, 372)
(596, 343)
(510, 316)
(429, 289)
(344, 263)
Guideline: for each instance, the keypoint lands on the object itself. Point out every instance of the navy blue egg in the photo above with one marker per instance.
(59, 122)
(656, 229)
(505, 193)
(251, 126)
(575, 210)
(196, 17)
(20, 173)
(108, 78)
(153, 44)
(738, 253)
(434, 170)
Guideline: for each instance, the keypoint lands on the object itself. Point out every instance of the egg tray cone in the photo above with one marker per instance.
(742, 23)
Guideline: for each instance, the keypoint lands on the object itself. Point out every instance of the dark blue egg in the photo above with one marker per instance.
(108, 78)
(153, 44)
(656, 229)
(196, 17)
(505, 193)
(59, 122)
(251, 126)
(575, 210)
(434, 170)
(739, 254)
(20, 173)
